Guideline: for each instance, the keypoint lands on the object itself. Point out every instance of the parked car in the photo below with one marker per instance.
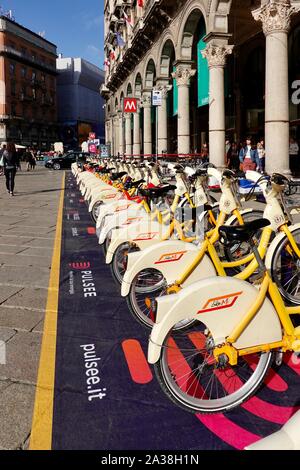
(65, 161)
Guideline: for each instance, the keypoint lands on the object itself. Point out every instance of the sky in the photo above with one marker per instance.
(75, 26)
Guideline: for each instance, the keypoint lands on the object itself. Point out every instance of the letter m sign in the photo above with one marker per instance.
(130, 105)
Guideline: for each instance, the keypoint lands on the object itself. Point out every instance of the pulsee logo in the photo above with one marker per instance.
(87, 278)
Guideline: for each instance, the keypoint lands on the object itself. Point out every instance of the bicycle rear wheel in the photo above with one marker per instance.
(189, 375)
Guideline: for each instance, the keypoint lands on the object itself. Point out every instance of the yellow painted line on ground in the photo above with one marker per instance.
(41, 432)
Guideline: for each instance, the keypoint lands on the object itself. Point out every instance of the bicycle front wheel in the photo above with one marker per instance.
(285, 269)
(189, 375)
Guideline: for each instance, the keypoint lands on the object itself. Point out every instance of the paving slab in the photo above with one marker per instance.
(40, 243)
(41, 252)
(26, 260)
(30, 277)
(20, 318)
(9, 249)
(16, 406)
(15, 241)
(28, 298)
(6, 334)
(6, 292)
(22, 357)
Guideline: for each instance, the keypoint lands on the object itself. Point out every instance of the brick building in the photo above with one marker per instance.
(28, 111)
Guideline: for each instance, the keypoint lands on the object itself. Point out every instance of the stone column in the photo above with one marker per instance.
(182, 75)
(276, 20)
(121, 134)
(137, 132)
(147, 105)
(115, 133)
(108, 128)
(216, 58)
(128, 135)
(162, 116)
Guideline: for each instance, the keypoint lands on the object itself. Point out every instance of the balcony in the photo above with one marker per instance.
(157, 16)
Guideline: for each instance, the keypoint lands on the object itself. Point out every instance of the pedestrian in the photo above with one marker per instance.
(248, 156)
(33, 161)
(294, 157)
(204, 153)
(261, 156)
(1, 159)
(233, 161)
(28, 158)
(10, 161)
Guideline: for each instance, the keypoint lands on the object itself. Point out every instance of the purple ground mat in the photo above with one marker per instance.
(100, 402)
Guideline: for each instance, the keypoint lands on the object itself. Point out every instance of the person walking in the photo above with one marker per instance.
(10, 161)
(248, 156)
(261, 156)
(233, 157)
(27, 158)
(294, 157)
(1, 159)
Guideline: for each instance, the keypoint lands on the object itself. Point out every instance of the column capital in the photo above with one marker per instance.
(275, 16)
(127, 115)
(146, 99)
(216, 54)
(183, 74)
(164, 87)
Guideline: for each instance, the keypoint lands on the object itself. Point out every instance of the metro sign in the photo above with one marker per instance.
(130, 105)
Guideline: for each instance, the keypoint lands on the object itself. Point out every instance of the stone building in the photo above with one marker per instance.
(27, 86)
(226, 68)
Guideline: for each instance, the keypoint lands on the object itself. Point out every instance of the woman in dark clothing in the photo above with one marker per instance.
(10, 161)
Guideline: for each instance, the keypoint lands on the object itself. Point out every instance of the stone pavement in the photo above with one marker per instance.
(27, 231)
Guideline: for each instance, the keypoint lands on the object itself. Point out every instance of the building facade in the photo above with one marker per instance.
(225, 68)
(80, 106)
(28, 112)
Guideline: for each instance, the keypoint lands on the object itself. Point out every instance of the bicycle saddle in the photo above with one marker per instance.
(135, 184)
(242, 233)
(117, 176)
(154, 193)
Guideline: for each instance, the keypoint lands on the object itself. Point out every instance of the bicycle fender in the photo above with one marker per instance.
(278, 239)
(143, 233)
(220, 303)
(114, 208)
(105, 197)
(121, 220)
(233, 218)
(172, 258)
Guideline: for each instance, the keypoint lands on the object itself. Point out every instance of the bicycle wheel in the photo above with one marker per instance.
(120, 259)
(285, 269)
(241, 250)
(107, 242)
(190, 376)
(148, 285)
(95, 210)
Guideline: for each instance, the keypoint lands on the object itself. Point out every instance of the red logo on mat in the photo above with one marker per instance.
(91, 230)
(219, 303)
(80, 265)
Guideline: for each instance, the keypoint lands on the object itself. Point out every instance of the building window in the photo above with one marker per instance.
(34, 93)
(13, 109)
(33, 56)
(23, 72)
(43, 78)
(24, 51)
(13, 88)
(33, 75)
(12, 69)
